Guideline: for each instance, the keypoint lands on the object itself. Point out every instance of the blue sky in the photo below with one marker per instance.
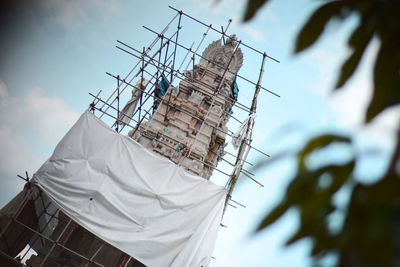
(54, 52)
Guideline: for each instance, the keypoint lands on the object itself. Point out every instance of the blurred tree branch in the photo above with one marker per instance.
(370, 234)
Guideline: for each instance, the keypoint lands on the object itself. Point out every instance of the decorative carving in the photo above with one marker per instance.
(218, 56)
(217, 110)
(225, 91)
(196, 97)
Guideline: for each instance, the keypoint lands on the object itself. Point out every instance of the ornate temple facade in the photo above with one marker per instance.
(189, 124)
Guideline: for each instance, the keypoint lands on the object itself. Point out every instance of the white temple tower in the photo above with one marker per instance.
(189, 126)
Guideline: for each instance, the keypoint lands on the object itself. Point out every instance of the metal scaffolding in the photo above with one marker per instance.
(164, 57)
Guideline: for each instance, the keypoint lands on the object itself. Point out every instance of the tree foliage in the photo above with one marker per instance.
(370, 234)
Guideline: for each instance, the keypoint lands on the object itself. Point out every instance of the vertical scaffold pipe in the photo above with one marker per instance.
(246, 142)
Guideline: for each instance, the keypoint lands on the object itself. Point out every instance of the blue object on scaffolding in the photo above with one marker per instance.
(235, 90)
(164, 85)
(235, 94)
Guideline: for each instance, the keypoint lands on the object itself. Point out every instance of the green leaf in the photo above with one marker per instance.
(348, 68)
(301, 233)
(316, 24)
(359, 40)
(372, 221)
(341, 174)
(313, 210)
(274, 215)
(386, 78)
(252, 7)
(305, 181)
(316, 143)
(314, 204)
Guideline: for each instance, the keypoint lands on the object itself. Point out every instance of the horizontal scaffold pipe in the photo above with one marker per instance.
(234, 201)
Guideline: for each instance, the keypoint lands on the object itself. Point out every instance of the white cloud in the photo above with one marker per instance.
(50, 117)
(253, 33)
(69, 14)
(28, 124)
(16, 157)
(72, 14)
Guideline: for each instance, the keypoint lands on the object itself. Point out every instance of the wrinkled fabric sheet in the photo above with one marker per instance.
(134, 199)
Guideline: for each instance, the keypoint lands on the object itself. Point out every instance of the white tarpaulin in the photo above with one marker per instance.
(136, 200)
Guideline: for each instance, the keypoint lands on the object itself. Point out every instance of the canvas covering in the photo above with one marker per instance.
(131, 197)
